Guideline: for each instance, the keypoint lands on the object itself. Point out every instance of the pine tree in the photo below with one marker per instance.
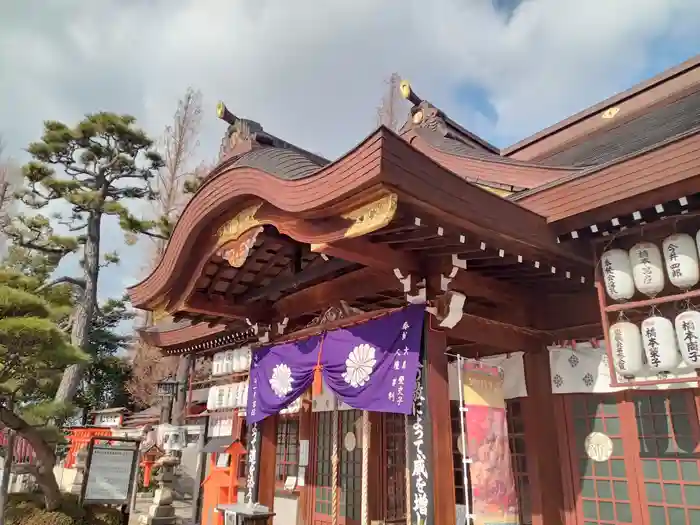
(103, 384)
(91, 170)
(33, 351)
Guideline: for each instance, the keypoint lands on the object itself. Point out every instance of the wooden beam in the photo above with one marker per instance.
(201, 303)
(374, 255)
(556, 312)
(470, 282)
(493, 333)
(347, 287)
(286, 282)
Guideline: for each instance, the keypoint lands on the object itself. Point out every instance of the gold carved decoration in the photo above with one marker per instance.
(496, 191)
(234, 228)
(159, 313)
(236, 252)
(335, 313)
(372, 216)
(610, 113)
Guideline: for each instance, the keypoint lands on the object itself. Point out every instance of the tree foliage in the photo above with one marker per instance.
(33, 353)
(92, 170)
(34, 348)
(104, 383)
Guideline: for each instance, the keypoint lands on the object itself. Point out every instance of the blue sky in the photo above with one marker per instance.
(313, 72)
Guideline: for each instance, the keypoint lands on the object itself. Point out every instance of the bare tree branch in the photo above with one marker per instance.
(179, 144)
(392, 109)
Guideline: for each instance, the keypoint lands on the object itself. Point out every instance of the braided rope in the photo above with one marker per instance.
(335, 460)
(365, 468)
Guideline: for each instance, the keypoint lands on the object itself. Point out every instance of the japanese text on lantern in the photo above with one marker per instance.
(691, 340)
(397, 392)
(653, 346)
(609, 273)
(620, 349)
(675, 266)
(252, 463)
(419, 472)
(647, 270)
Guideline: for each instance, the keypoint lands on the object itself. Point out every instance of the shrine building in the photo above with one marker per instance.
(431, 329)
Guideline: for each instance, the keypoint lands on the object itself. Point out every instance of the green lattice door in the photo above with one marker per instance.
(668, 437)
(603, 491)
(323, 422)
(349, 472)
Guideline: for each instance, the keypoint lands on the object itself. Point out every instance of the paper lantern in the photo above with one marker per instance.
(247, 358)
(240, 392)
(231, 393)
(627, 351)
(244, 395)
(647, 268)
(681, 255)
(228, 362)
(238, 361)
(660, 344)
(688, 334)
(221, 396)
(617, 272)
(217, 364)
(211, 398)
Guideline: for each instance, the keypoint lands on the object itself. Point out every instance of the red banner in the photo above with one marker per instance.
(494, 500)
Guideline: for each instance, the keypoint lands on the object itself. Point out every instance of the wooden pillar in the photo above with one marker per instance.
(541, 442)
(377, 468)
(305, 505)
(438, 399)
(268, 458)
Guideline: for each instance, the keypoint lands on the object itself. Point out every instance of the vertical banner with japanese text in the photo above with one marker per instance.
(419, 450)
(253, 463)
(494, 500)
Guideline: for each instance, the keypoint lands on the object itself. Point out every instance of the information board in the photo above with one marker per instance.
(110, 473)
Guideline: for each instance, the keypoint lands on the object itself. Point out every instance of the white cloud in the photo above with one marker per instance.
(312, 72)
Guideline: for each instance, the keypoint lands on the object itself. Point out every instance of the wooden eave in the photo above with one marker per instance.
(578, 127)
(180, 335)
(666, 171)
(307, 210)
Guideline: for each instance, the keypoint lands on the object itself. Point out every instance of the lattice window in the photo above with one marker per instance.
(603, 488)
(516, 442)
(668, 437)
(350, 468)
(395, 450)
(460, 493)
(287, 451)
(323, 450)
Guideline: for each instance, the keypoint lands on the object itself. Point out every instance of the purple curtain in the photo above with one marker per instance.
(280, 374)
(373, 366)
(370, 366)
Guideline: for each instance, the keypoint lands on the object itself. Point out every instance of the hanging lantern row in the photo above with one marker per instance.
(657, 346)
(231, 362)
(230, 396)
(642, 268)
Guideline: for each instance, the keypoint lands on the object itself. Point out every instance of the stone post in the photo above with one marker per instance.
(80, 460)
